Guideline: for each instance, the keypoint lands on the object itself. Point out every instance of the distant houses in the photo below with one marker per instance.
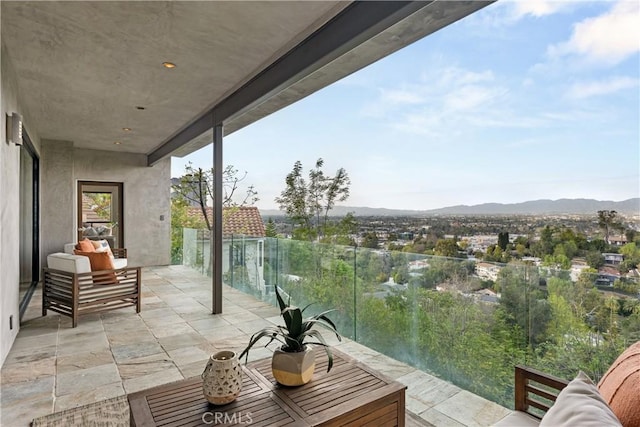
(613, 259)
(618, 240)
(487, 271)
(607, 276)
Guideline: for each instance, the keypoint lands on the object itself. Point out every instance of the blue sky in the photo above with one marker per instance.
(522, 100)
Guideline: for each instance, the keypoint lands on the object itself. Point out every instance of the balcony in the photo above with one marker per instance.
(443, 342)
(53, 367)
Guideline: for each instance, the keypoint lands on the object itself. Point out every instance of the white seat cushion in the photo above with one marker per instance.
(119, 263)
(70, 263)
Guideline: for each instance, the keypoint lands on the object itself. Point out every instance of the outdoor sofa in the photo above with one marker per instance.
(545, 400)
(76, 284)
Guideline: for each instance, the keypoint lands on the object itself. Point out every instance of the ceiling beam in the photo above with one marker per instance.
(353, 26)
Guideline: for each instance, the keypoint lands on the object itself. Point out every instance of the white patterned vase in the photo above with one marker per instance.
(222, 378)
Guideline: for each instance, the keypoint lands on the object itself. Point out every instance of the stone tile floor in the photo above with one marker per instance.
(52, 367)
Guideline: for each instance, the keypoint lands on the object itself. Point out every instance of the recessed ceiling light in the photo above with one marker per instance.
(126, 129)
(139, 108)
(169, 65)
(117, 143)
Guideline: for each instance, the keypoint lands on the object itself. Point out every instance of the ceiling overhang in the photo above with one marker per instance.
(83, 67)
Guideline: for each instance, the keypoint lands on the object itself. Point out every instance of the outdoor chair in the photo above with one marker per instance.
(71, 288)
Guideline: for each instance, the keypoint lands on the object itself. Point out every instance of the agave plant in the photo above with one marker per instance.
(297, 332)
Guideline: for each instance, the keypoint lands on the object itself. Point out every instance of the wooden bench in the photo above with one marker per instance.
(535, 392)
(73, 293)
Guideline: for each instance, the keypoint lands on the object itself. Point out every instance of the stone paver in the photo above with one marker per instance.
(85, 397)
(89, 359)
(471, 410)
(53, 367)
(84, 380)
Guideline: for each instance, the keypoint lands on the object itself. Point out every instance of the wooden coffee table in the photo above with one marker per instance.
(351, 394)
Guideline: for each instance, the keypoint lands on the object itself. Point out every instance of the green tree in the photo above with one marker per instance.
(631, 235)
(401, 275)
(181, 219)
(270, 228)
(308, 203)
(446, 248)
(370, 240)
(524, 303)
(567, 248)
(503, 240)
(545, 246)
(493, 254)
(595, 259)
(559, 261)
(631, 254)
(341, 232)
(608, 220)
(100, 204)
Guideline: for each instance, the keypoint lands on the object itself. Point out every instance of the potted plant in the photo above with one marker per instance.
(293, 362)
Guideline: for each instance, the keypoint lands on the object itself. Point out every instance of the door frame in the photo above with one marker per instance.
(35, 223)
(119, 186)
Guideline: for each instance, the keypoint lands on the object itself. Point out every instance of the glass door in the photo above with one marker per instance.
(100, 214)
(29, 249)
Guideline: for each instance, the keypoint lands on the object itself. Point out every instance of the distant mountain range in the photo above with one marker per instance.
(534, 207)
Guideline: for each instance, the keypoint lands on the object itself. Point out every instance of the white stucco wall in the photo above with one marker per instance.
(10, 207)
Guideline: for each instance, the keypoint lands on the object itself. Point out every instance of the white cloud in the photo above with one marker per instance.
(448, 88)
(607, 39)
(537, 8)
(602, 87)
(401, 97)
(507, 13)
(457, 76)
(392, 100)
(444, 101)
(469, 97)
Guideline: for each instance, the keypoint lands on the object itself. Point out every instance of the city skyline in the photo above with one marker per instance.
(519, 101)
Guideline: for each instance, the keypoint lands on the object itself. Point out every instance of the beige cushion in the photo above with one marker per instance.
(69, 263)
(580, 404)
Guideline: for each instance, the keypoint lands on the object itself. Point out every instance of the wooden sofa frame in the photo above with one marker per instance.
(73, 294)
(536, 390)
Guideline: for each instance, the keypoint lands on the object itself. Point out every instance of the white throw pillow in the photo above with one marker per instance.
(102, 246)
(580, 404)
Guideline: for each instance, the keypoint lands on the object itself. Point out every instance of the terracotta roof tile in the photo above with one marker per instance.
(236, 220)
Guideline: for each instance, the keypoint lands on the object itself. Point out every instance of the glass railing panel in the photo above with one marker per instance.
(190, 247)
(312, 274)
(243, 264)
(465, 321)
(471, 323)
(424, 312)
(588, 323)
